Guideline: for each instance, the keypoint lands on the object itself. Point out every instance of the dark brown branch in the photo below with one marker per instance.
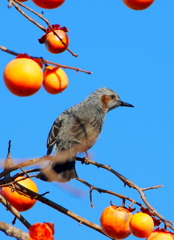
(59, 208)
(12, 231)
(8, 180)
(100, 190)
(46, 61)
(9, 148)
(121, 177)
(14, 211)
(99, 165)
(8, 161)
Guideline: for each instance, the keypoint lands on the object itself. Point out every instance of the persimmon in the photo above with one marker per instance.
(138, 4)
(37, 60)
(42, 231)
(141, 225)
(54, 44)
(160, 234)
(48, 4)
(18, 200)
(55, 80)
(23, 77)
(115, 222)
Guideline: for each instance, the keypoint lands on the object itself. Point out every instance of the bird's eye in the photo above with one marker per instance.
(112, 96)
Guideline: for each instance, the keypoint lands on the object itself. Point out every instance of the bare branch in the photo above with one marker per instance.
(150, 188)
(99, 165)
(121, 177)
(58, 207)
(14, 211)
(12, 231)
(8, 161)
(6, 181)
(37, 24)
(46, 61)
(130, 184)
(100, 190)
(25, 15)
(25, 164)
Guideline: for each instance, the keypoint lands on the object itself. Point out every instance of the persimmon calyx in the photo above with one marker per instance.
(54, 27)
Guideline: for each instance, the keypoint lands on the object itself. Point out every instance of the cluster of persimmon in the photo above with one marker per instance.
(118, 223)
(23, 76)
(138, 4)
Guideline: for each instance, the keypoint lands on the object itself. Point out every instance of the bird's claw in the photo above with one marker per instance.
(85, 160)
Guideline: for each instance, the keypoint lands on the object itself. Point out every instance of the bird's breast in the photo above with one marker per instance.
(87, 141)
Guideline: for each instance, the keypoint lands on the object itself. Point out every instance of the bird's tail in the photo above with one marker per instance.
(60, 172)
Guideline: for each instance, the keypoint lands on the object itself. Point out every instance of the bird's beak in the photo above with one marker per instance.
(125, 104)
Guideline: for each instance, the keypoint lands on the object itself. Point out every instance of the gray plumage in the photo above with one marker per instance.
(76, 130)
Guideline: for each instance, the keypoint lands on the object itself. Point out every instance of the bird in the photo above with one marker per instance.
(75, 131)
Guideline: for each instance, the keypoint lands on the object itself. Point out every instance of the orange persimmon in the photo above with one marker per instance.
(18, 200)
(141, 225)
(138, 4)
(41, 231)
(37, 60)
(160, 234)
(48, 4)
(54, 44)
(55, 80)
(115, 222)
(23, 77)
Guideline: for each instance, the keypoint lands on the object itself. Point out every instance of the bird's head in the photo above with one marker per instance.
(108, 99)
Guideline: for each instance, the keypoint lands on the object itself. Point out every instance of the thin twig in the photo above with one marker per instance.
(67, 67)
(46, 61)
(12, 231)
(121, 177)
(9, 148)
(25, 15)
(150, 188)
(7, 181)
(59, 208)
(130, 184)
(14, 211)
(37, 24)
(24, 172)
(25, 164)
(100, 190)
(8, 161)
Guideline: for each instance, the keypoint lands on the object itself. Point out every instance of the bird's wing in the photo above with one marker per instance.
(53, 134)
(82, 128)
(71, 130)
(84, 131)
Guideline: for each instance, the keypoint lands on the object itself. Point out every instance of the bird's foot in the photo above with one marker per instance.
(85, 160)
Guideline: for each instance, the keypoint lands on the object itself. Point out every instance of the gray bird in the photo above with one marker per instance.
(76, 130)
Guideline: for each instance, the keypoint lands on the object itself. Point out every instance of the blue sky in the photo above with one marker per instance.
(131, 52)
